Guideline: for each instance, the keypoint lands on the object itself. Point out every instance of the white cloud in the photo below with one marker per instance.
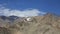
(24, 13)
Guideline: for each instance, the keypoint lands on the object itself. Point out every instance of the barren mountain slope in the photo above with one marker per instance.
(47, 24)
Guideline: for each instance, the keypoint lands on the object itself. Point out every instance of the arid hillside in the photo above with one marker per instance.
(47, 24)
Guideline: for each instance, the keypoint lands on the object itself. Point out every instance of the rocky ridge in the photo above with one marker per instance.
(47, 24)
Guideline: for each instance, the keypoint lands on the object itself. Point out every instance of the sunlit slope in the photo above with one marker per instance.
(47, 24)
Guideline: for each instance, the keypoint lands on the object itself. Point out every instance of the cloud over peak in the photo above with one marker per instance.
(24, 13)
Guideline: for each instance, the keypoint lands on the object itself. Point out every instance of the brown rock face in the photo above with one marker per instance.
(47, 24)
(4, 30)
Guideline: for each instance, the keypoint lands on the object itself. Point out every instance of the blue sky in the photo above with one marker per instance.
(52, 6)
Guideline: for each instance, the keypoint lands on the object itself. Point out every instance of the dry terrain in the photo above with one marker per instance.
(47, 24)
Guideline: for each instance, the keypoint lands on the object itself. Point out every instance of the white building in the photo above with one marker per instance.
(28, 19)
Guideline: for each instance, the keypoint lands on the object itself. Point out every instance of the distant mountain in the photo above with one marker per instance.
(12, 18)
(47, 24)
(3, 17)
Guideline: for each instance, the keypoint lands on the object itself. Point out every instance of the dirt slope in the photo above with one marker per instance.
(47, 24)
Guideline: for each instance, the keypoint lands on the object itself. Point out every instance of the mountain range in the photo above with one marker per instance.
(47, 24)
